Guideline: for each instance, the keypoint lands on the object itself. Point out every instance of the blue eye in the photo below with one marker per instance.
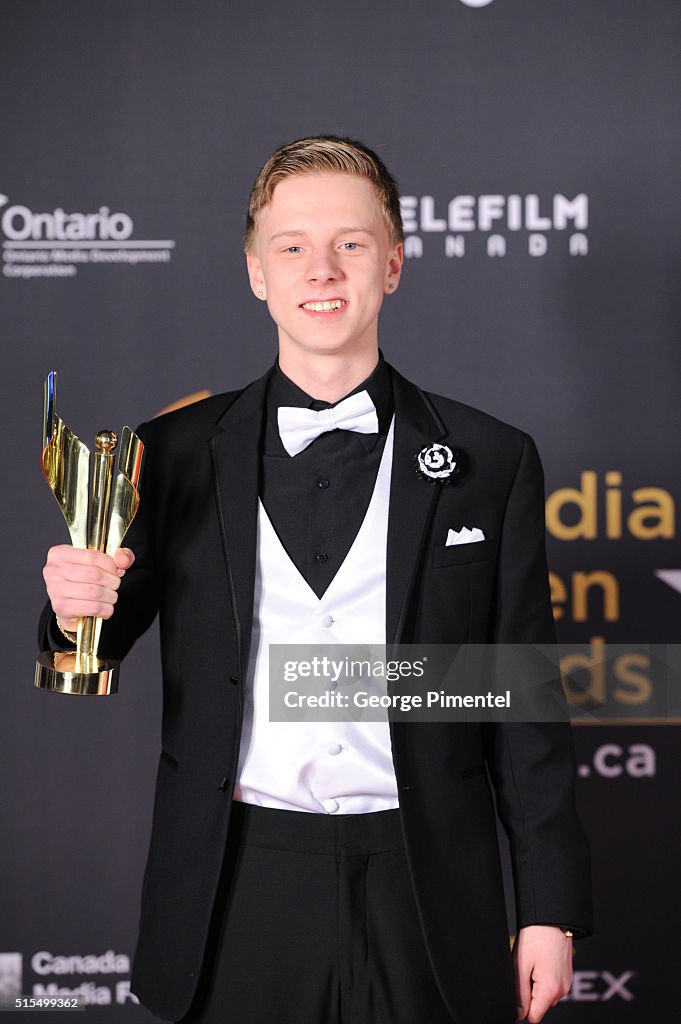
(349, 246)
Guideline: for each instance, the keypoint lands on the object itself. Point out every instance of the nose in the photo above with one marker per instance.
(323, 266)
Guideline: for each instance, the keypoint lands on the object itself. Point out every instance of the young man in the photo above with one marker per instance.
(330, 872)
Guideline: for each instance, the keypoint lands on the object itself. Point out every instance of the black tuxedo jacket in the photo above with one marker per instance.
(195, 542)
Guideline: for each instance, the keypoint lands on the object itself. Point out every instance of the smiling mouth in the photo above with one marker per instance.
(324, 307)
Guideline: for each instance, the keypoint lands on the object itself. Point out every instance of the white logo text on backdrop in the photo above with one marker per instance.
(502, 219)
(56, 243)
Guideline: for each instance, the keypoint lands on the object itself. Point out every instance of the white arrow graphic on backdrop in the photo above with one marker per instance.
(672, 577)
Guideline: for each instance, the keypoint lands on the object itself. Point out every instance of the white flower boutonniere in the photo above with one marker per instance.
(436, 462)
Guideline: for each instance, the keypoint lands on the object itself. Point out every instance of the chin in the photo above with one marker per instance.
(329, 346)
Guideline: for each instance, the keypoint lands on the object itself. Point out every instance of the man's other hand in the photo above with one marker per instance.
(81, 582)
(542, 957)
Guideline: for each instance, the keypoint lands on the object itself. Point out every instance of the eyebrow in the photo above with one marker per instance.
(294, 233)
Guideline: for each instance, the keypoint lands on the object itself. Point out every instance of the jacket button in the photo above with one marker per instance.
(234, 679)
(224, 784)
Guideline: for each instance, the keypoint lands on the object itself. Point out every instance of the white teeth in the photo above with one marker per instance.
(323, 307)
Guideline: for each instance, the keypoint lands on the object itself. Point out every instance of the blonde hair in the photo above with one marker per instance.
(325, 154)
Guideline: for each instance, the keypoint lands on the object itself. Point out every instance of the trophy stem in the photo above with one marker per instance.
(89, 629)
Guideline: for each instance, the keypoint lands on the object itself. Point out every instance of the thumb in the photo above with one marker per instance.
(124, 558)
(523, 990)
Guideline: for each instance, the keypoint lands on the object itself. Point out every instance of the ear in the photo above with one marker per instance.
(393, 268)
(255, 276)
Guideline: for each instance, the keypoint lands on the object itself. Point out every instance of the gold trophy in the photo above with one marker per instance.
(98, 517)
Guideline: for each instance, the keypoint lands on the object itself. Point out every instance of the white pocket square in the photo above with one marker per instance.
(464, 536)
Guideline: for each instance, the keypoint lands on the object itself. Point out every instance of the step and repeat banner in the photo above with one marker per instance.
(537, 149)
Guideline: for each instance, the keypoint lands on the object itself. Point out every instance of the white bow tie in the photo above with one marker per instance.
(300, 427)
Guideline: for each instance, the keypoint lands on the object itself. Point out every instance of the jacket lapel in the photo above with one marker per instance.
(235, 453)
(412, 499)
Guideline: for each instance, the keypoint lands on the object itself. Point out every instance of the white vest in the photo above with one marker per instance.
(340, 767)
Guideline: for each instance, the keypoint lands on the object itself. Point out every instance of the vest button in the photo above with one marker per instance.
(327, 621)
(334, 748)
(331, 806)
(323, 483)
(321, 556)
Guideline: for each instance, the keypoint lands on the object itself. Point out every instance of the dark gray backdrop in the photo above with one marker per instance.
(162, 113)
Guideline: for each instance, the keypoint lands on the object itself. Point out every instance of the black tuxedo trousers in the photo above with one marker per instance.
(316, 923)
(195, 542)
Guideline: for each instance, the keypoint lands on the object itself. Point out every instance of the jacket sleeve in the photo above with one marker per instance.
(532, 764)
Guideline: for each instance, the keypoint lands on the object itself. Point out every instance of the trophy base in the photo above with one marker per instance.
(69, 672)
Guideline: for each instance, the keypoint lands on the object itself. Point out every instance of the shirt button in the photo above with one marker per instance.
(334, 748)
(321, 556)
(327, 621)
(331, 806)
(323, 483)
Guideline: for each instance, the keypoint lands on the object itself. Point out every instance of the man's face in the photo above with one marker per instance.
(323, 258)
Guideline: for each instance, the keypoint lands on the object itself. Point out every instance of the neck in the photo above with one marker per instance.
(331, 376)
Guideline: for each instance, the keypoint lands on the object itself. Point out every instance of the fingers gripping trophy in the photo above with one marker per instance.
(98, 508)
